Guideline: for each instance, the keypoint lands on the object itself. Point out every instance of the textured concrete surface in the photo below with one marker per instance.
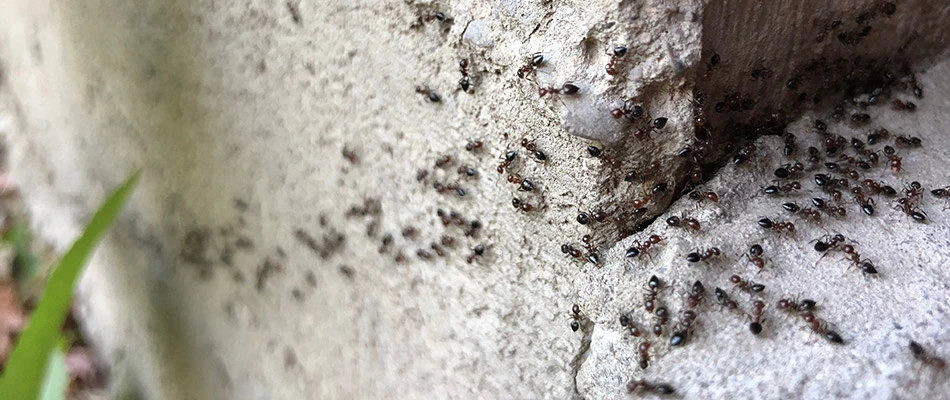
(282, 143)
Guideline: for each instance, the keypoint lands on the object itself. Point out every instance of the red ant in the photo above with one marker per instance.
(703, 255)
(927, 359)
(618, 53)
(682, 329)
(724, 301)
(571, 251)
(696, 293)
(755, 256)
(477, 251)
(474, 145)
(536, 60)
(466, 81)
(777, 226)
(647, 172)
(539, 155)
(894, 162)
(637, 385)
(508, 158)
(567, 89)
(576, 315)
(430, 94)
(707, 195)
(907, 141)
(879, 188)
(747, 286)
(627, 110)
(653, 287)
(627, 323)
(789, 170)
(793, 305)
(785, 188)
(711, 65)
(684, 222)
(662, 314)
(522, 205)
(755, 326)
(641, 248)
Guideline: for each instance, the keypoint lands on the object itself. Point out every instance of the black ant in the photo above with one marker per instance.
(747, 286)
(926, 358)
(703, 255)
(576, 315)
(536, 60)
(618, 53)
(430, 94)
(466, 82)
(758, 308)
(638, 385)
(539, 155)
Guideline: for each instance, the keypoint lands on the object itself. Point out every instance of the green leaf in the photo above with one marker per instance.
(27, 364)
(57, 376)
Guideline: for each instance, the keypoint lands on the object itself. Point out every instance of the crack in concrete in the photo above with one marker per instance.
(587, 327)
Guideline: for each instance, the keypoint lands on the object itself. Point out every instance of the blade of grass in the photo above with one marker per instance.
(27, 364)
(56, 379)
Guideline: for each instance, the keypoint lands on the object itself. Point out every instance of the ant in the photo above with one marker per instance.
(524, 185)
(662, 314)
(907, 141)
(641, 248)
(618, 53)
(637, 385)
(477, 251)
(522, 205)
(811, 215)
(711, 65)
(879, 188)
(576, 315)
(627, 323)
(755, 256)
(789, 170)
(539, 155)
(820, 327)
(866, 203)
(466, 82)
(758, 308)
(682, 329)
(627, 110)
(508, 158)
(474, 145)
(707, 195)
(466, 170)
(785, 188)
(649, 171)
(684, 222)
(793, 305)
(536, 60)
(894, 162)
(567, 89)
(430, 94)
(696, 293)
(942, 193)
(653, 287)
(570, 250)
(746, 285)
(908, 106)
(927, 359)
(724, 301)
(777, 226)
(703, 255)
